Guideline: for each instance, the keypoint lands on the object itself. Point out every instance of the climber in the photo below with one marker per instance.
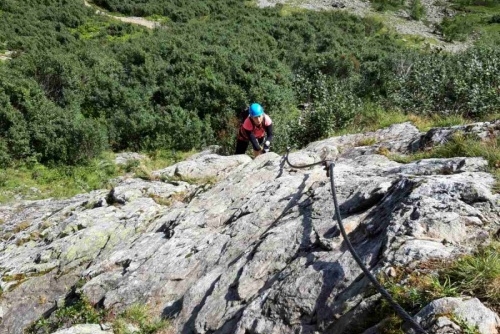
(256, 128)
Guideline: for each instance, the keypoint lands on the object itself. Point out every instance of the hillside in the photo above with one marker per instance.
(401, 95)
(401, 20)
(79, 83)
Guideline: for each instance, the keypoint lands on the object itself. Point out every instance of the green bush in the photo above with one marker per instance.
(463, 84)
(383, 5)
(454, 29)
(81, 83)
(330, 107)
(477, 2)
(417, 10)
(494, 19)
(13, 133)
(4, 154)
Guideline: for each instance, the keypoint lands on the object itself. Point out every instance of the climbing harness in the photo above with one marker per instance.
(329, 165)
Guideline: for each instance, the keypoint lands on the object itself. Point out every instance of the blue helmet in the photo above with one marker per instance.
(256, 110)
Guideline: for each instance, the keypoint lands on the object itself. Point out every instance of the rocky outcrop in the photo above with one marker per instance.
(255, 251)
(84, 329)
(437, 136)
(435, 317)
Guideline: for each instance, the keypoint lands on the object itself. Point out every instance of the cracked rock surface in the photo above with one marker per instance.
(259, 250)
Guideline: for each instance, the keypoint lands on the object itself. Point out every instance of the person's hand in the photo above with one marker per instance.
(267, 145)
(257, 153)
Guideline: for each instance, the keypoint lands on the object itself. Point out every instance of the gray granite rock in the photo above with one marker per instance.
(84, 329)
(256, 249)
(435, 317)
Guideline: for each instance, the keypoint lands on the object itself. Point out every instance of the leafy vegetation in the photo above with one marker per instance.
(415, 7)
(463, 85)
(479, 17)
(475, 275)
(383, 5)
(478, 274)
(81, 83)
(417, 10)
(36, 181)
(77, 310)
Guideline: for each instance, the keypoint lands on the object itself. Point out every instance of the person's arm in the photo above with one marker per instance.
(269, 132)
(253, 140)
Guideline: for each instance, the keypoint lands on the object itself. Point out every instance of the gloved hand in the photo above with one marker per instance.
(267, 146)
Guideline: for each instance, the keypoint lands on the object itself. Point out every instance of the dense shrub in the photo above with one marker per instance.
(494, 19)
(330, 106)
(417, 10)
(383, 5)
(79, 83)
(464, 84)
(477, 2)
(454, 29)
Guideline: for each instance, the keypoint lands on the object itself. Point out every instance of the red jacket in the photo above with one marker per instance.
(258, 131)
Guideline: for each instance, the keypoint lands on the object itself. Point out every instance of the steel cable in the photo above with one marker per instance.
(329, 165)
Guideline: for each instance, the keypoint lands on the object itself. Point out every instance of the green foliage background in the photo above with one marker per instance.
(80, 83)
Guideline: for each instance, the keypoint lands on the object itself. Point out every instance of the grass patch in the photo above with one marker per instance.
(288, 10)
(21, 226)
(478, 274)
(163, 158)
(14, 278)
(418, 42)
(37, 181)
(93, 28)
(107, 27)
(466, 328)
(418, 289)
(474, 275)
(412, 290)
(163, 20)
(156, 160)
(250, 3)
(76, 311)
(374, 118)
(417, 10)
(366, 142)
(140, 316)
(460, 145)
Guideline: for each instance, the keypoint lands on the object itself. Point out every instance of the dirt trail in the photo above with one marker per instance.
(132, 19)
